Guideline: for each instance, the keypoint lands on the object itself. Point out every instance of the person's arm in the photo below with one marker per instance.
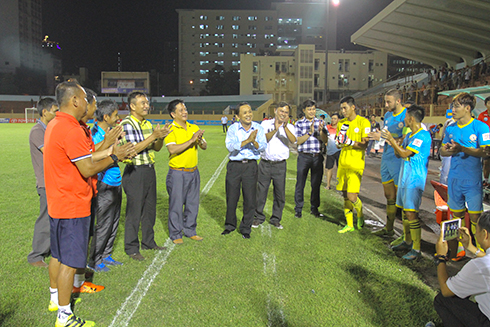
(289, 134)
(302, 139)
(361, 145)
(156, 137)
(442, 275)
(465, 239)
(261, 141)
(323, 135)
(453, 148)
(175, 148)
(110, 138)
(273, 132)
(399, 151)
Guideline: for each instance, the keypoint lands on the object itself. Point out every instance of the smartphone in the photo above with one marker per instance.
(451, 229)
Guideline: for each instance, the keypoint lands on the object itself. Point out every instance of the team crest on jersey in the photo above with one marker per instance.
(473, 137)
(400, 125)
(367, 130)
(417, 142)
(486, 136)
(356, 130)
(485, 119)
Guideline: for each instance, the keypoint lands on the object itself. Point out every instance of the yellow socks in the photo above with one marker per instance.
(349, 216)
(415, 233)
(390, 214)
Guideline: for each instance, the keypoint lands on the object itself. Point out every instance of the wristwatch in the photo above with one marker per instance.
(115, 158)
(438, 259)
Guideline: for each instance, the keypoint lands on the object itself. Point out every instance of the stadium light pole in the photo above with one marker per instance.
(334, 3)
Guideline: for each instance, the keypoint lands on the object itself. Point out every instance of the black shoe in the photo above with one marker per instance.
(256, 223)
(226, 232)
(137, 256)
(157, 248)
(246, 236)
(298, 214)
(317, 214)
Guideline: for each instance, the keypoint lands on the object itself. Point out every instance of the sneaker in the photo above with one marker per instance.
(74, 321)
(256, 223)
(360, 222)
(196, 238)
(277, 225)
(111, 262)
(101, 267)
(402, 246)
(397, 241)
(52, 306)
(88, 287)
(412, 255)
(178, 241)
(346, 229)
(298, 214)
(384, 232)
(459, 256)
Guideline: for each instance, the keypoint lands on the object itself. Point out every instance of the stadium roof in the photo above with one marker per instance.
(435, 32)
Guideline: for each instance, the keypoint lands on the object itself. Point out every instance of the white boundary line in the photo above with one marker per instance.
(128, 308)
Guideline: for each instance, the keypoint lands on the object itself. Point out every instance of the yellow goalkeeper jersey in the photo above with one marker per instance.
(359, 128)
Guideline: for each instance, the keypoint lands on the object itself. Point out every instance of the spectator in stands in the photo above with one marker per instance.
(464, 299)
(464, 141)
(485, 118)
(47, 109)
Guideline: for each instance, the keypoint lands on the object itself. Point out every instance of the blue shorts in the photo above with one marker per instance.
(390, 169)
(409, 198)
(461, 191)
(69, 240)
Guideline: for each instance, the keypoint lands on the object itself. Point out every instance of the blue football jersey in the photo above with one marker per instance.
(474, 134)
(395, 124)
(413, 173)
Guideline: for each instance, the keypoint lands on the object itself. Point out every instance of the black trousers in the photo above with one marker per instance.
(275, 172)
(225, 128)
(458, 312)
(244, 176)
(108, 213)
(139, 183)
(307, 162)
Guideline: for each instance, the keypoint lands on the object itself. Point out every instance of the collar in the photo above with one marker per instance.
(251, 127)
(137, 120)
(178, 126)
(64, 115)
(461, 126)
(399, 112)
(41, 123)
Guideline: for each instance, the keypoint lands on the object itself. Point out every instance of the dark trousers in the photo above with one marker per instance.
(139, 183)
(108, 211)
(183, 194)
(225, 128)
(275, 172)
(244, 176)
(41, 243)
(306, 163)
(458, 312)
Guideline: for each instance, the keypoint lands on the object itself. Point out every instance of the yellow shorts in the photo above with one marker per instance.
(349, 180)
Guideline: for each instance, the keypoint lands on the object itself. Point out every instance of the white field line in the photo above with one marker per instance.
(128, 308)
(270, 272)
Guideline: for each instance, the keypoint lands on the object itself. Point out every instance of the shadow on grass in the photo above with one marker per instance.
(407, 305)
(5, 315)
(215, 207)
(162, 210)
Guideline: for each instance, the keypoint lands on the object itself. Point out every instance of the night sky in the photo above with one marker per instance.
(92, 32)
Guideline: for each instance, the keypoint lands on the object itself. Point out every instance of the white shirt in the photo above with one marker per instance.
(224, 120)
(474, 279)
(278, 146)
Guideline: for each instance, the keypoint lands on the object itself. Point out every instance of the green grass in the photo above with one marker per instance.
(304, 275)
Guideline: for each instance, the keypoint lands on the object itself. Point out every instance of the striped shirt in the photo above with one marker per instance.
(136, 132)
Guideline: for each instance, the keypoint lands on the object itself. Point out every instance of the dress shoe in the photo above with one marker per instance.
(39, 263)
(196, 238)
(317, 214)
(156, 247)
(256, 223)
(298, 214)
(137, 256)
(226, 232)
(178, 241)
(277, 225)
(246, 236)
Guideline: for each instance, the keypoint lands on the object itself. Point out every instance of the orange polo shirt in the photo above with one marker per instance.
(68, 193)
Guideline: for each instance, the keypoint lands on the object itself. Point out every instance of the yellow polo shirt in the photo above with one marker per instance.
(179, 135)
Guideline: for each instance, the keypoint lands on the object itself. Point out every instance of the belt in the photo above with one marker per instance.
(273, 161)
(244, 160)
(189, 170)
(143, 166)
(310, 154)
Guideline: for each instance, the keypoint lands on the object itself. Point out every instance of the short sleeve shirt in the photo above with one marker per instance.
(359, 128)
(413, 172)
(474, 280)
(278, 146)
(484, 118)
(112, 175)
(474, 134)
(68, 193)
(179, 135)
(331, 147)
(136, 132)
(395, 125)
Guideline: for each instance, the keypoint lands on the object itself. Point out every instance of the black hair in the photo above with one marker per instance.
(417, 112)
(309, 103)
(241, 104)
(105, 107)
(335, 114)
(133, 95)
(90, 95)
(283, 104)
(465, 99)
(394, 93)
(45, 103)
(64, 91)
(349, 100)
(484, 221)
(486, 100)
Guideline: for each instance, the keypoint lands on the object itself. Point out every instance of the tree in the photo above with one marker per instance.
(222, 82)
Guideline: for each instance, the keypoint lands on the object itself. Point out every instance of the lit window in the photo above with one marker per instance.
(236, 17)
(235, 63)
(219, 27)
(235, 27)
(220, 17)
(203, 27)
(203, 17)
(221, 54)
(252, 18)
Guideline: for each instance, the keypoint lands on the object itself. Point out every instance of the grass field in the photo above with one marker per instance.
(304, 275)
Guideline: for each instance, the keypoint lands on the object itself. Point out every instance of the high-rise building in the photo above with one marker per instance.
(218, 37)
